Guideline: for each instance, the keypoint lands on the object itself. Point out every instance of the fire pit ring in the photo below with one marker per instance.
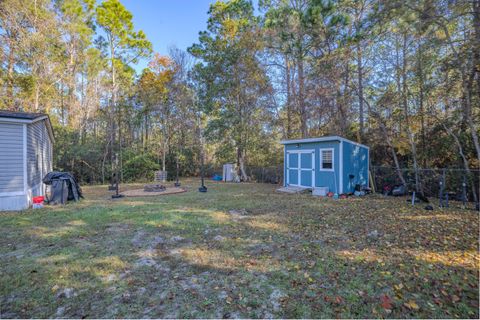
(154, 188)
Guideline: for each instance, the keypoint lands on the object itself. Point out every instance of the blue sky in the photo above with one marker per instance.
(169, 22)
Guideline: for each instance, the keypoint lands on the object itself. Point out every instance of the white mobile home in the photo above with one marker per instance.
(26, 146)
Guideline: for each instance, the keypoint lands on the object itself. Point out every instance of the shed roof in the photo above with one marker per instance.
(27, 117)
(322, 139)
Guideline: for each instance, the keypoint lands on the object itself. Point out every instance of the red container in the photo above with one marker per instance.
(38, 199)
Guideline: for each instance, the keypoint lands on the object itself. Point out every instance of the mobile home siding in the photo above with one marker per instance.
(11, 157)
(39, 156)
(26, 153)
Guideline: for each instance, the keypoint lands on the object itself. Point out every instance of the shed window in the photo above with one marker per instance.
(326, 159)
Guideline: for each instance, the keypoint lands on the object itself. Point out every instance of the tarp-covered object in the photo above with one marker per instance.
(64, 187)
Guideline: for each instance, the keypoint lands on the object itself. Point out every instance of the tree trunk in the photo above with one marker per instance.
(62, 105)
(289, 102)
(392, 149)
(36, 105)
(10, 75)
(241, 164)
(112, 111)
(241, 141)
(464, 159)
(360, 90)
(105, 155)
(120, 153)
(460, 61)
(410, 134)
(420, 105)
(301, 98)
(476, 46)
(145, 142)
(344, 97)
(164, 147)
(474, 72)
(71, 83)
(341, 116)
(467, 104)
(164, 158)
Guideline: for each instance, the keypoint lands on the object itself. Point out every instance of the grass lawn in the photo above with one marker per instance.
(240, 250)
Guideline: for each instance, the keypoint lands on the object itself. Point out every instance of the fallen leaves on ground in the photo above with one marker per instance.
(353, 258)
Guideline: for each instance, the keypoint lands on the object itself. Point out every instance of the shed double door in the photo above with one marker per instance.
(301, 168)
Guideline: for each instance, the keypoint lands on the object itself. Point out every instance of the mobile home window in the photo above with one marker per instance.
(327, 159)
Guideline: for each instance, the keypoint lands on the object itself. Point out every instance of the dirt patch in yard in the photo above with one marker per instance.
(143, 193)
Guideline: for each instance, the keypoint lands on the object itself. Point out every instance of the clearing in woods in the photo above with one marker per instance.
(240, 250)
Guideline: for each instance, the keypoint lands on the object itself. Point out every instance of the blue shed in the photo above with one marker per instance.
(333, 162)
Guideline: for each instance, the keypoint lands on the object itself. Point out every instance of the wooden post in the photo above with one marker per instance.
(117, 194)
(372, 182)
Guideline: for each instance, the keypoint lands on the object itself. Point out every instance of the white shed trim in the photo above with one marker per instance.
(299, 168)
(368, 168)
(323, 139)
(321, 160)
(340, 167)
(285, 169)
